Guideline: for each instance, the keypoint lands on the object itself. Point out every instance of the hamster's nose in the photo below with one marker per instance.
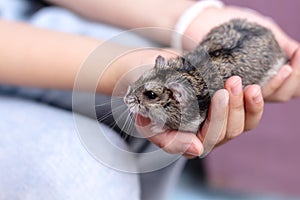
(130, 99)
(138, 100)
(125, 99)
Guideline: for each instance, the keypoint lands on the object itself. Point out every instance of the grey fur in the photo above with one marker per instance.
(183, 86)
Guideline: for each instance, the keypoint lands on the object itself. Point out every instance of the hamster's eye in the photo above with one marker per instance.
(216, 53)
(150, 94)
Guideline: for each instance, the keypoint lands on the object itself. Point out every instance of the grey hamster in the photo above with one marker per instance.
(176, 93)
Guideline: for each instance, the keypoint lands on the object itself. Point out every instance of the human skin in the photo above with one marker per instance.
(164, 14)
(49, 59)
(130, 14)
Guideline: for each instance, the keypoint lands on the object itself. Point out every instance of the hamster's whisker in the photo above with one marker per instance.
(120, 109)
(103, 104)
(131, 126)
(118, 120)
(127, 125)
(112, 100)
(110, 113)
(126, 82)
(104, 117)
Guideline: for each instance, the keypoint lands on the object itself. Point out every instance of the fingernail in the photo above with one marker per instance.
(285, 72)
(223, 98)
(257, 97)
(236, 89)
(191, 149)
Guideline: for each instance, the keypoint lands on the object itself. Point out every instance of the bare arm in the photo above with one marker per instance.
(50, 59)
(131, 13)
(43, 58)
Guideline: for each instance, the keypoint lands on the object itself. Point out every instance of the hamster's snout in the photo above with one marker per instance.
(129, 99)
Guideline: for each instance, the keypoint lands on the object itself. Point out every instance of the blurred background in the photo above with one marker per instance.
(264, 162)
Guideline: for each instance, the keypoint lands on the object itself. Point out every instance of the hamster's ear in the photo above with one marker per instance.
(182, 92)
(160, 62)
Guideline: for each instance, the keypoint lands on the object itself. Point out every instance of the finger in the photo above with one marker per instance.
(295, 77)
(253, 105)
(174, 142)
(170, 141)
(188, 156)
(296, 66)
(277, 81)
(296, 71)
(289, 45)
(214, 127)
(290, 88)
(235, 123)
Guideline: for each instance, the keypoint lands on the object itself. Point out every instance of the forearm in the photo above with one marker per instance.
(42, 58)
(131, 13)
(47, 59)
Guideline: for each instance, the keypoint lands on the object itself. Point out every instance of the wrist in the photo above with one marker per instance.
(200, 26)
(188, 17)
(164, 19)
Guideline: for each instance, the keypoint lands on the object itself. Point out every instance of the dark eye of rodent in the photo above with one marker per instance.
(216, 53)
(150, 94)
